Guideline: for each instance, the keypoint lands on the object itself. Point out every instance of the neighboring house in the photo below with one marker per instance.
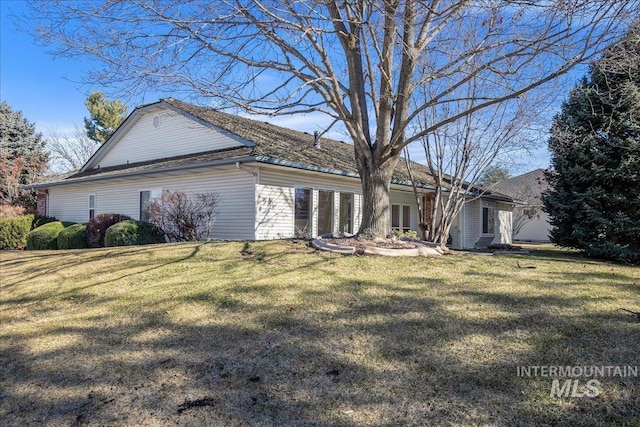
(273, 182)
(530, 223)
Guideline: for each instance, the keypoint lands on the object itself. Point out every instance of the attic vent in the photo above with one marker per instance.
(156, 121)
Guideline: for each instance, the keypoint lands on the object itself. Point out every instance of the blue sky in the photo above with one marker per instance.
(48, 90)
(34, 82)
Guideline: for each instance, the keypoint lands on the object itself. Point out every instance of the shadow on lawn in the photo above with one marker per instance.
(354, 353)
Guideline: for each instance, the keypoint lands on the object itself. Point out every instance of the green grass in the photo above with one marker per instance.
(273, 333)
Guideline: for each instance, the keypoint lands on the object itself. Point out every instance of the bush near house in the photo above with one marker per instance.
(8, 211)
(127, 233)
(14, 231)
(184, 217)
(97, 228)
(73, 237)
(45, 237)
(39, 220)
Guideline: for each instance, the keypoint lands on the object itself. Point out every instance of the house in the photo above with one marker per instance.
(272, 182)
(530, 222)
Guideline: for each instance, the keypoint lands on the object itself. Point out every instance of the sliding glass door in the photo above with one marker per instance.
(303, 211)
(346, 212)
(325, 212)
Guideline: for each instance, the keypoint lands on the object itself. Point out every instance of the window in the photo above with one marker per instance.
(401, 217)
(145, 196)
(92, 206)
(346, 212)
(325, 212)
(488, 220)
(302, 226)
(395, 217)
(406, 218)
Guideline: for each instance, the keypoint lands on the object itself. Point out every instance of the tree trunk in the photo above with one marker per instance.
(376, 208)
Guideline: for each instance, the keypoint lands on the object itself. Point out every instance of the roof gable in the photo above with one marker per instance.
(158, 131)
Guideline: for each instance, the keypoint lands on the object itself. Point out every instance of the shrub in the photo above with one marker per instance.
(45, 237)
(411, 234)
(14, 231)
(42, 220)
(73, 237)
(184, 217)
(127, 233)
(8, 211)
(97, 227)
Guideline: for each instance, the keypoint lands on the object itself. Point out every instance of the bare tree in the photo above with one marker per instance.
(361, 62)
(523, 216)
(459, 152)
(184, 217)
(69, 151)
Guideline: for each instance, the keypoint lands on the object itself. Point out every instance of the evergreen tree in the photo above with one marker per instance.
(594, 202)
(22, 156)
(105, 118)
(492, 175)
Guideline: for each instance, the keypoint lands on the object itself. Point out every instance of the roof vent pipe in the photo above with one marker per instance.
(316, 139)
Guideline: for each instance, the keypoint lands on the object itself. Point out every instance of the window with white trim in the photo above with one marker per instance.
(401, 217)
(488, 220)
(145, 197)
(92, 206)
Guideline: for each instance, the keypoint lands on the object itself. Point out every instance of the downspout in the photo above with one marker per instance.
(239, 166)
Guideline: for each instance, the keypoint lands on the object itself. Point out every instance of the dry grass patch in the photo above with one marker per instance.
(274, 333)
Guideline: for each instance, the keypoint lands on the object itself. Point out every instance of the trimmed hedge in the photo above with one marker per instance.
(73, 237)
(97, 227)
(42, 220)
(127, 233)
(14, 231)
(45, 237)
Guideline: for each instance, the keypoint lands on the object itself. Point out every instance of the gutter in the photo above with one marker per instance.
(238, 162)
(302, 166)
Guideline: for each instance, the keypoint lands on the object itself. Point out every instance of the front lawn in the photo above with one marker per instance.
(273, 333)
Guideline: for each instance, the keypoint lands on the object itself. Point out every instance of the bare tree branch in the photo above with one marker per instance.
(362, 62)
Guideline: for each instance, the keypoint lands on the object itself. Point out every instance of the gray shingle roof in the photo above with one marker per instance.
(527, 187)
(272, 144)
(289, 145)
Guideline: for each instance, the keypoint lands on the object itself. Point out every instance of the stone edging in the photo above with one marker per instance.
(324, 246)
(425, 249)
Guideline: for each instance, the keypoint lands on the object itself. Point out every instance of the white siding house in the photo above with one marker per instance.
(530, 221)
(272, 182)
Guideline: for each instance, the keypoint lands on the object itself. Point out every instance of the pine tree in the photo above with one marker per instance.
(23, 159)
(493, 175)
(105, 118)
(594, 203)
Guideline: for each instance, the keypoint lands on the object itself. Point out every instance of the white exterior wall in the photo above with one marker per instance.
(503, 226)
(175, 136)
(275, 197)
(472, 224)
(235, 188)
(274, 212)
(536, 230)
